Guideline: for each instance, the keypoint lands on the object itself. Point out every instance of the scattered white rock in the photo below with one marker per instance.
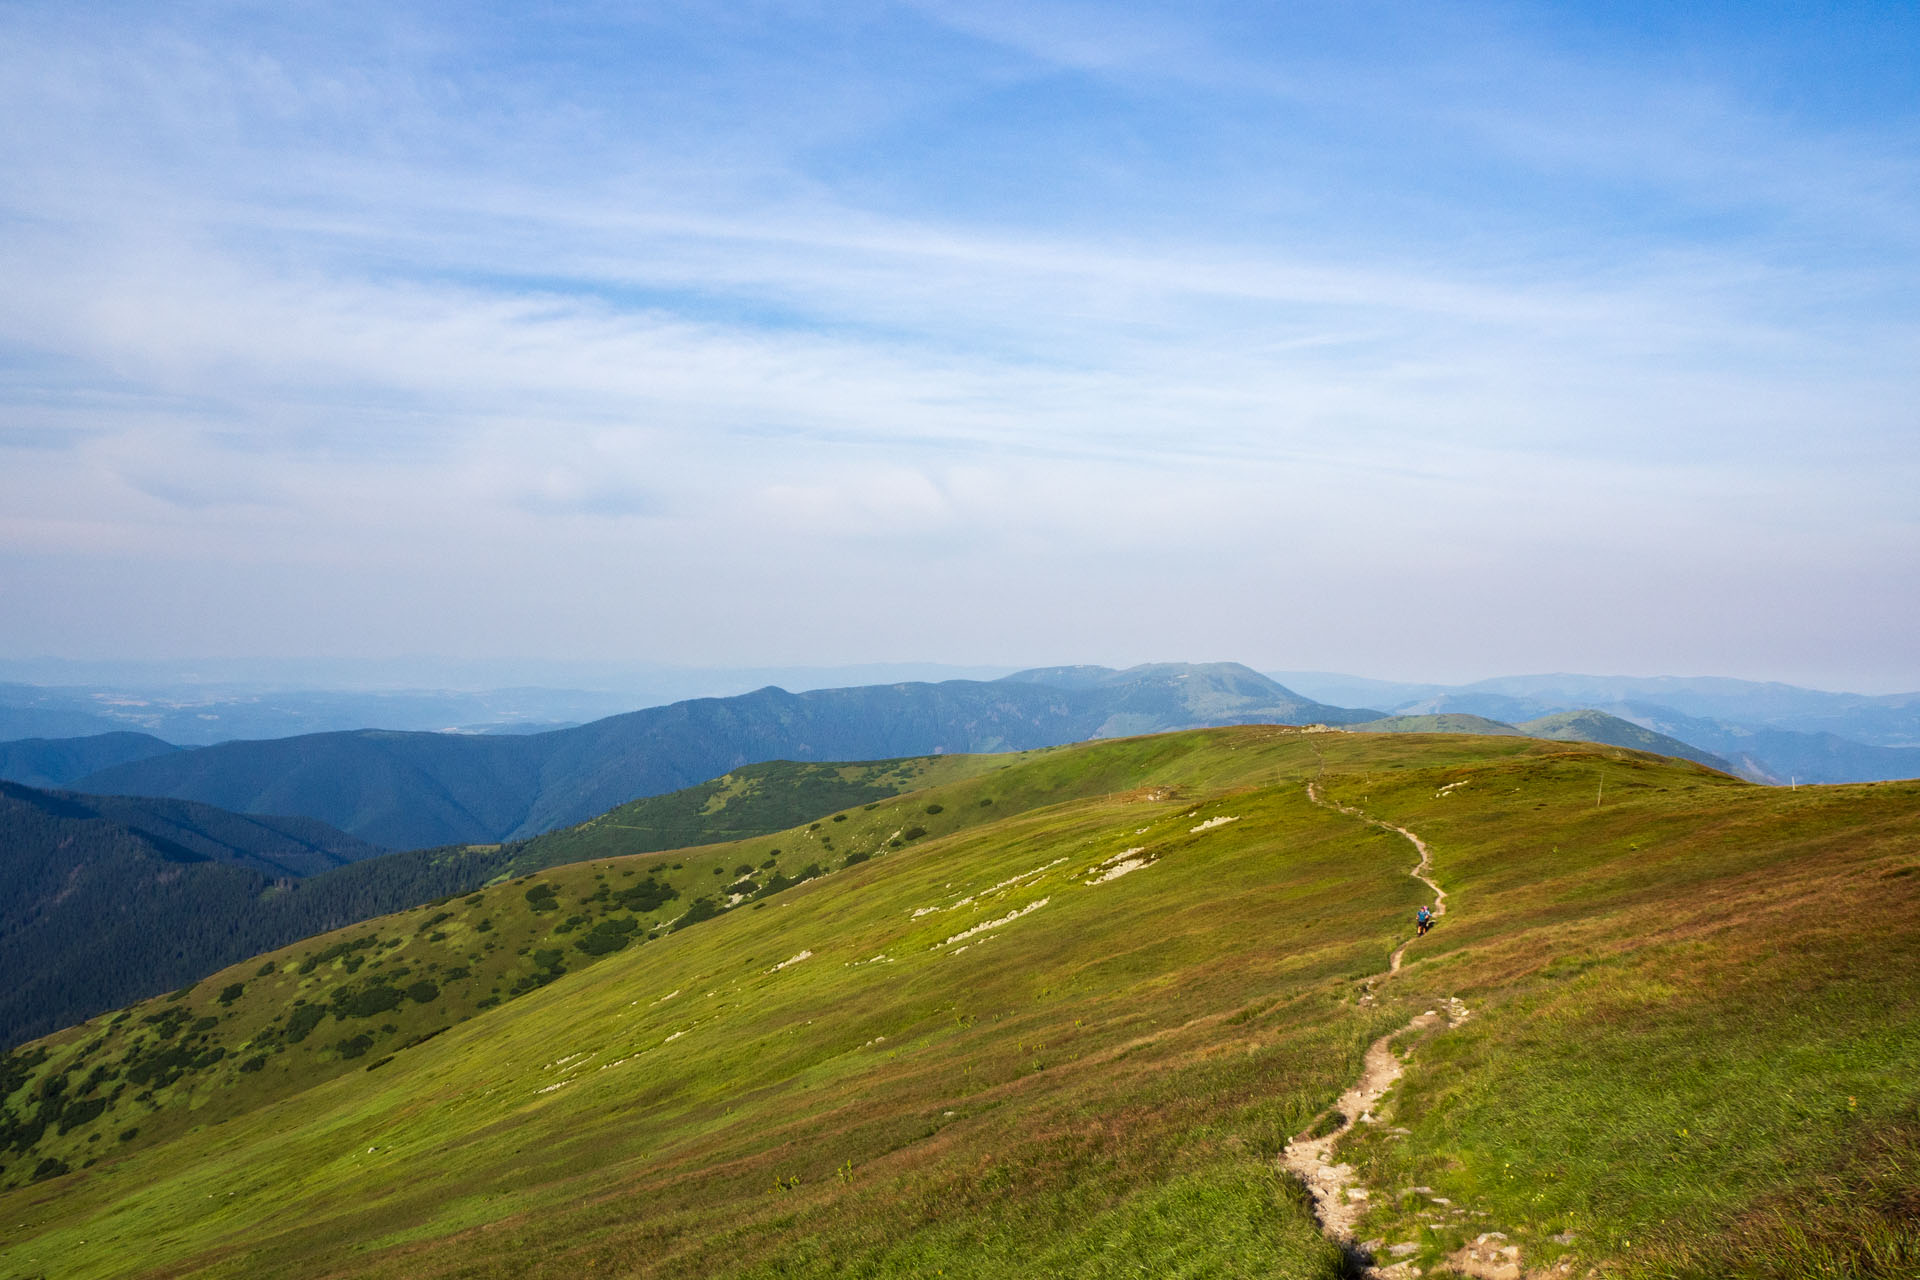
(804, 955)
(1118, 865)
(1008, 918)
(1211, 823)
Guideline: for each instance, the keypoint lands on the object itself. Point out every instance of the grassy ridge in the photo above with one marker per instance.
(1703, 1007)
(1064, 1044)
(852, 1077)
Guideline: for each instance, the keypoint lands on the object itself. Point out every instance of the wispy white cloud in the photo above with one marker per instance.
(402, 323)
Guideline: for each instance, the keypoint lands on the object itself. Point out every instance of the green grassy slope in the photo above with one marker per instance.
(854, 1077)
(279, 1022)
(118, 898)
(1610, 730)
(1565, 726)
(749, 801)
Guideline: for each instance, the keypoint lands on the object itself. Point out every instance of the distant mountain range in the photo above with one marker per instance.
(411, 789)
(1766, 732)
(414, 790)
(1562, 726)
(54, 762)
(201, 703)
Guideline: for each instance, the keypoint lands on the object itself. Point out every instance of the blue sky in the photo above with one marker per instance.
(1420, 341)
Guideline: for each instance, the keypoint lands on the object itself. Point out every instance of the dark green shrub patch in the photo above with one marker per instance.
(334, 952)
(16, 1067)
(648, 895)
(355, 1047)
(375, 998)
(697, 910)
(423, 992)
(302, 1021)
(167, 1023)
(608, 936)
(76, 1114)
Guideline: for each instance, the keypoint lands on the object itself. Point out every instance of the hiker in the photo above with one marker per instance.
(1423, 921)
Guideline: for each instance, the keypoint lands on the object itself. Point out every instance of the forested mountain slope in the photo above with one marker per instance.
(56, 762)
(110, 897)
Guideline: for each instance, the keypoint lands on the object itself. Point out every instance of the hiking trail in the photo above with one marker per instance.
(1338, 1199)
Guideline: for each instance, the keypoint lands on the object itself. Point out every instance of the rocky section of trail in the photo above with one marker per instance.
(1339, 1199)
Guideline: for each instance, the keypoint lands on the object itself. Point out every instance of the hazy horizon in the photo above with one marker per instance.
(426, 673)
(1429, 345)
